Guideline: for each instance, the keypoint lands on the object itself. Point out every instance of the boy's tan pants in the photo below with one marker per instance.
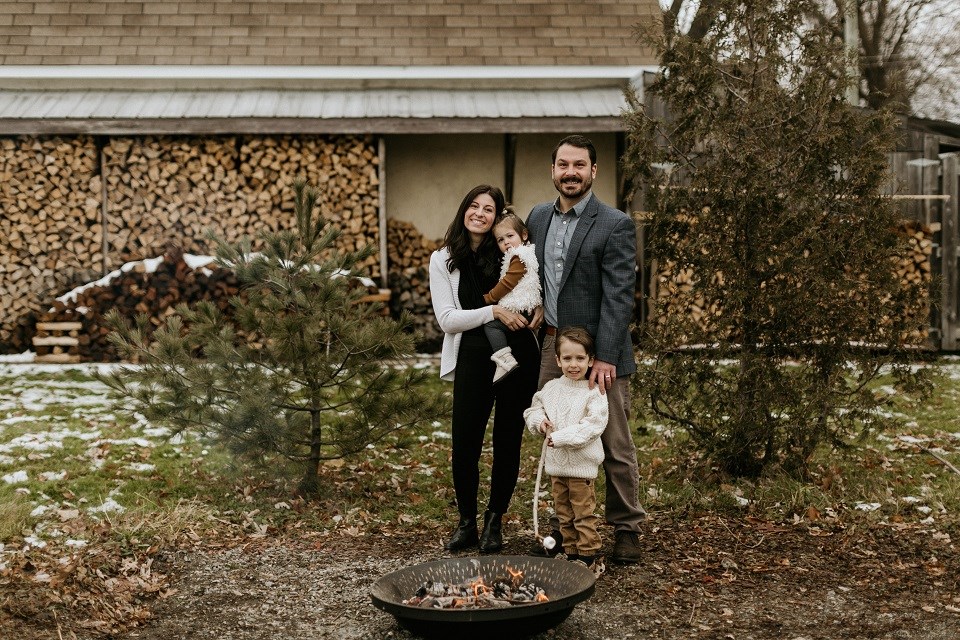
(576, 503)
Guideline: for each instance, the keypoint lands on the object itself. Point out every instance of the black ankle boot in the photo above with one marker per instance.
(465, 535)
(491, 540)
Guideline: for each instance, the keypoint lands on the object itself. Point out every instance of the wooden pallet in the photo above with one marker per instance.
(57, 342)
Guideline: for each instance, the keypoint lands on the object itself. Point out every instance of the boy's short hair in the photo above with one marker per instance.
(577, 335)
(508, 216)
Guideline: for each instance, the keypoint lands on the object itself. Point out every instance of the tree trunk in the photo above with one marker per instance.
(310, 484)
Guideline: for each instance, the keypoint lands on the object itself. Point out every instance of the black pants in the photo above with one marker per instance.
(474, 396)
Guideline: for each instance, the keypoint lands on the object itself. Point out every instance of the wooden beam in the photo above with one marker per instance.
(51, 341)
(950, 243)
(59, 326)
(509, 164)
(382, 209)
(217, 126)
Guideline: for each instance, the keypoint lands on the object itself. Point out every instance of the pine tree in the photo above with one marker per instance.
(766, 189)
(303, 370)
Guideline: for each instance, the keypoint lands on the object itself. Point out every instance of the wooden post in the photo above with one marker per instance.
(851, 38)
(950, 300)
(509, 165)
(382, 176)
(104, 206)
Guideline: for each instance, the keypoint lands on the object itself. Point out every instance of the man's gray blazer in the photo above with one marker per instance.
(599, 277)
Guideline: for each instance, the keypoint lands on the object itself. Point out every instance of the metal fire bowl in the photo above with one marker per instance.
(566, 584)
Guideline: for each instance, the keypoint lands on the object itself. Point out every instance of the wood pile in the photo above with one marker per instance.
(673, 293)
(57, 342)
(672, 290)
(408, 260)
(141, 288)
(913, 267)
(50, 225)
(144, 288)
(160, 190)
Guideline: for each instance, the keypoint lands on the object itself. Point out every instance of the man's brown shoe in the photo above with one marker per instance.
(626, 550)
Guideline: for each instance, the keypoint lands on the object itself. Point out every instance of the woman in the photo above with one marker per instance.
(465, 268)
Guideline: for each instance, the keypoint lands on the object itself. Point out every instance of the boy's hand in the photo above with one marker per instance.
(546, 427)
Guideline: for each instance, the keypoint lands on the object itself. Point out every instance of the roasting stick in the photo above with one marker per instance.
(548, 542)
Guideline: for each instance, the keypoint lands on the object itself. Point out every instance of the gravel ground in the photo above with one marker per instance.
(706, 579)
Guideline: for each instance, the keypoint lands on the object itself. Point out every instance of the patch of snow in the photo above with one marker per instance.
(150, 265)
(19, 419)
(79, 544)
(141, 467)
(867, 506)
(26, 356)
(40, 510)
(34, 541)
(138, 442)
(44, 440)
(15, 477)
(49, 476)
(197, 262)
(109, 506)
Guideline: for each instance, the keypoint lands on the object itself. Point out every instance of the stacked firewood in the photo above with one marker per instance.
(342, 168)
(152, 287)
(408, 255)
(160, 190)
(50, 225)
(58, 342)
(673, 293)
(673, 289)
(163, 189)
(913, 268)
(140, 288)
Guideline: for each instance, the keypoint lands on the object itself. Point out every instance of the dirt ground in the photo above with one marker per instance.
(707, 578)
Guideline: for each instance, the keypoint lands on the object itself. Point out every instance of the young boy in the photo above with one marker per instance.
(571, 417)
(518, 289)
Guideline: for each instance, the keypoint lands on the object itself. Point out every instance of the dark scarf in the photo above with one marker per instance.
(474, 283)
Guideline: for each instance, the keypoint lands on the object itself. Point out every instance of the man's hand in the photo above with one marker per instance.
(603, 374)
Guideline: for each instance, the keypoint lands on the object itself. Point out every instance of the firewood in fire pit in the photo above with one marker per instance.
(501, 592)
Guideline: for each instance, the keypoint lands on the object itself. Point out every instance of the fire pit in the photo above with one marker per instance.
(566, 584)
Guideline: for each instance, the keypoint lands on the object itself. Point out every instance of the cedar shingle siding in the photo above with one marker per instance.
(324, 32)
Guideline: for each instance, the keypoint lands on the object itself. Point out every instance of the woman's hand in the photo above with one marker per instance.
(537, 318)
(511, 319)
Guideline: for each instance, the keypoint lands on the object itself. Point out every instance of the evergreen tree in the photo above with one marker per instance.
(303, 370)
(765, 189)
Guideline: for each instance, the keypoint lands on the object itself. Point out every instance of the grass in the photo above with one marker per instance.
(81, 456)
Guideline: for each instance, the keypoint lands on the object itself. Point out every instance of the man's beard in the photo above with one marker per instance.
(583, 187)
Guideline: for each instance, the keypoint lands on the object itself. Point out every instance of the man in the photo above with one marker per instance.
(587, 252)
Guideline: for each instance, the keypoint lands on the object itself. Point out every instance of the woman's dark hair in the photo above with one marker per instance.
(457, 239)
